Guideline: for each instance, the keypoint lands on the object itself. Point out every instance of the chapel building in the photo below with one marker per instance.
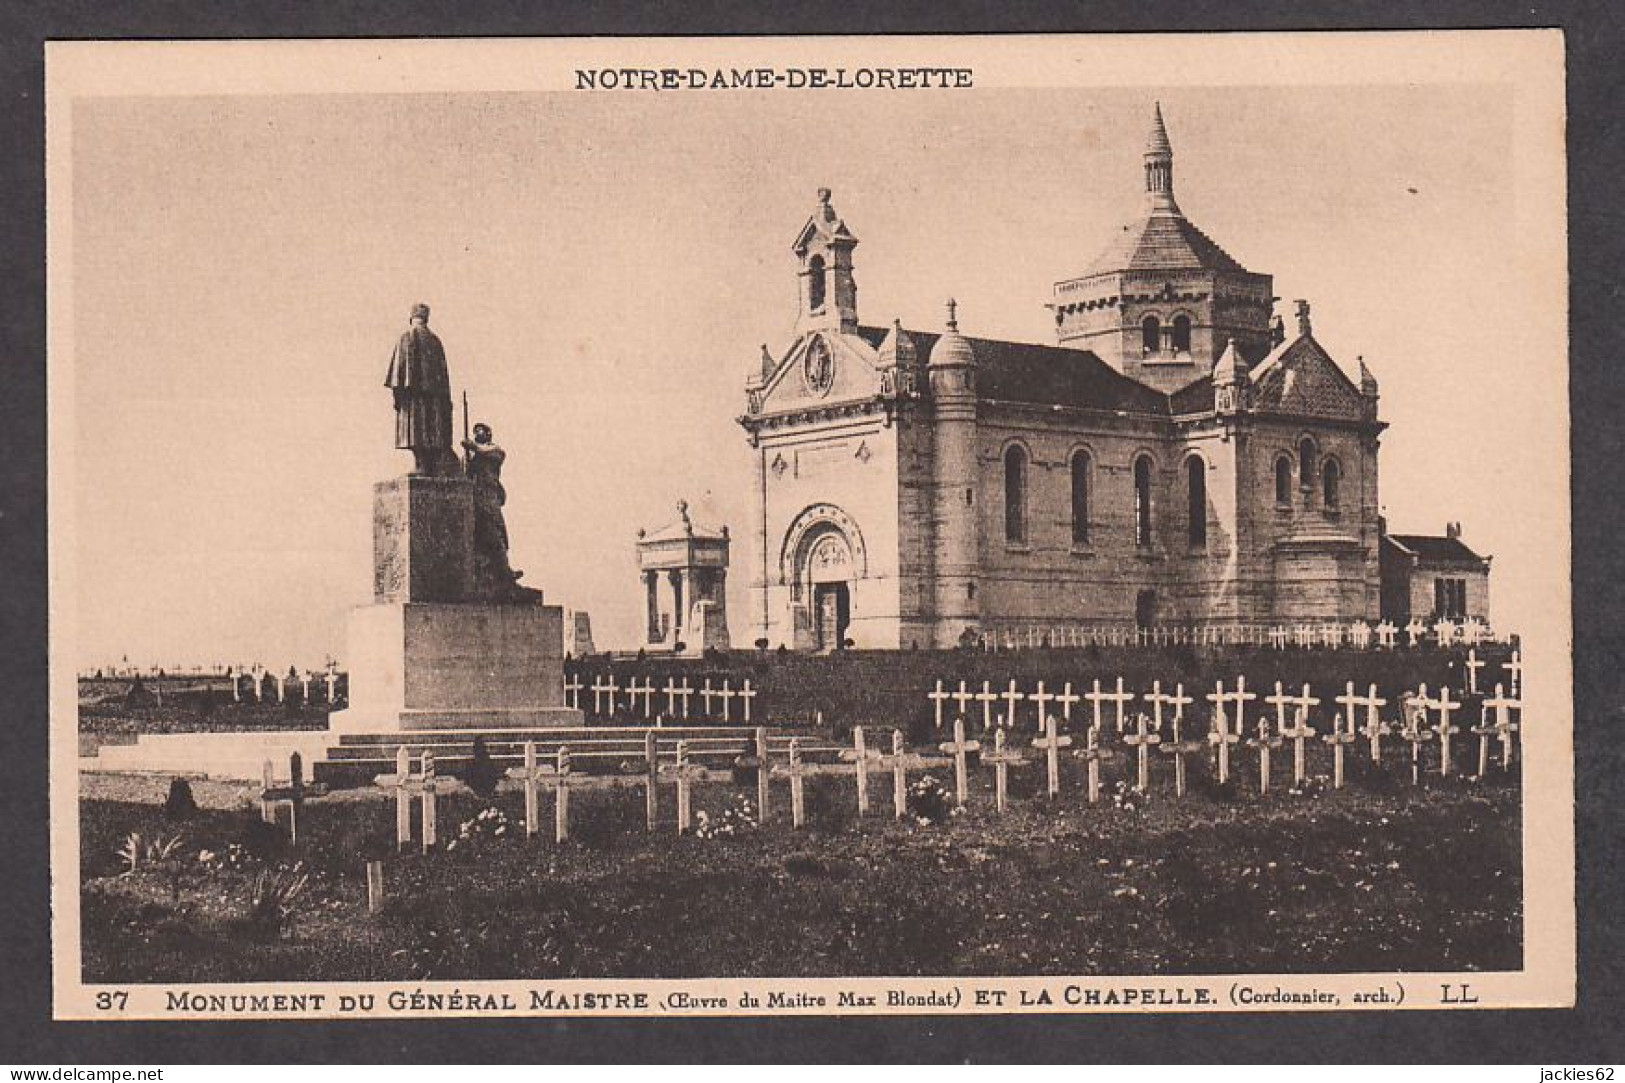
(1173, 458)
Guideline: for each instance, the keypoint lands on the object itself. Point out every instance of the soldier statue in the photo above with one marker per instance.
(483, 459)
(417, 376)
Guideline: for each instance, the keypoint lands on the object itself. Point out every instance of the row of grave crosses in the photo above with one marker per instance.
(1360, 634)
(1144, 736)
(260, 680)
(1228, 716)
(638, 698)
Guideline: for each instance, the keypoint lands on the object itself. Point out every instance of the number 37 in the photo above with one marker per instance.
(114, 1000)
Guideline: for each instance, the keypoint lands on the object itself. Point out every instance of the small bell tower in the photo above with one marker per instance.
(829, 293)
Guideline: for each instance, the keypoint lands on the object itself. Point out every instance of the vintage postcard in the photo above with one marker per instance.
(830, 525)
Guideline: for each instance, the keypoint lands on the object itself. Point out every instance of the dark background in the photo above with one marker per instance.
(1589, 1034)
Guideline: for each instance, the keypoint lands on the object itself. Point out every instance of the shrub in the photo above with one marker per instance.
(260, 839)
(483, 774)
(271, 900)
(928, 801)
(138, 851)
(180, 804)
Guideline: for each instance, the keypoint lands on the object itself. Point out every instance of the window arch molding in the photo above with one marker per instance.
(1331, 483)
(1194, 466)
(1308, 459)
(1143, 476)
(1183, 323)
(1080, 468)
(1015, 464)
(1284, 468)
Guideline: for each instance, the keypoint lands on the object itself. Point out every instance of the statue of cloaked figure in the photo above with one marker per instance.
(482, 460)
(422, 389)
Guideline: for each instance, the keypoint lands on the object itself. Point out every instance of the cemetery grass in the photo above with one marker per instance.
(1377, 877)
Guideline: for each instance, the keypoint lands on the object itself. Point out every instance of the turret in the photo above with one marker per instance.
(1232, 385)
(898, 358)
(957, 538)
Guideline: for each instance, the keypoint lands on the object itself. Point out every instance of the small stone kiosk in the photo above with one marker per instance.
(692, 609)
(451, 640)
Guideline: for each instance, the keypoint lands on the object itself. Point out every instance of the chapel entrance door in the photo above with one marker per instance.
(831, 614)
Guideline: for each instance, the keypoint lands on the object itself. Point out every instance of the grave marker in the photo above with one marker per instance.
(746, 694)
(860, 757)
(1387, 632)
(937, 698)
(727, 695)
(375, 887)
(1503, 706)
(1415, 733)
(1051, 743)
(1514, 668)
(572, 691)
(1443, 729)
(762, 766)
(651, 779)
(958, 748)
(1012, 697)
(1265, 745)
(963, 698)
(1001, 759)
(794, 770)
(561, 796)
(1415, 630)
(1220, 736)
(1179, 749)
(1143, 740)
(987, 698)
(1300, 732)
(529, 775)
(1472, 665)
(1066, 699)
(685, 774)
(293, 794)
(707, 693)
(1040, 697)
(1338, 737)
(1091, 753)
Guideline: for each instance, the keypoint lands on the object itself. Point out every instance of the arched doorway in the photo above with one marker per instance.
(828, 573)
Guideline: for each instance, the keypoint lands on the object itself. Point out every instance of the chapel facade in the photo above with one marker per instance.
(1173, 458)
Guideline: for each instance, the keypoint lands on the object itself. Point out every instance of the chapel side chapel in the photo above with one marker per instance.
(1174, 458)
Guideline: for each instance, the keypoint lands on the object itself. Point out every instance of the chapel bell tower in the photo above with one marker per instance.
(829, 294)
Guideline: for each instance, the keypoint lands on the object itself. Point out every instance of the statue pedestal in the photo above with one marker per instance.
(426, 654)
(432, 665)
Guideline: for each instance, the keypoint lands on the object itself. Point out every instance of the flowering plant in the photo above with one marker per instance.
(928, 801)
(736, 819)
(486, 827)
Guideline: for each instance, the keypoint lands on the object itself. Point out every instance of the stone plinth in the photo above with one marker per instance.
(708, 626)
(425, 666)
(422, 539)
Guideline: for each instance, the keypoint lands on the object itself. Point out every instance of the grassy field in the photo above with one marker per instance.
(1379, 876)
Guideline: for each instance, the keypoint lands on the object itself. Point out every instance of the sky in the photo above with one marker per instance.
(604, 269)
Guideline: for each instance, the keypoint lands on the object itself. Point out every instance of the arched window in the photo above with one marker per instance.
(815, 283)
(1015, 494)
(1151, 334)
(1080, 498)
(1283, 480)
(1182, 334)
(1331, 480)
(1306, 462)
(1142, 501)
(1196, 500)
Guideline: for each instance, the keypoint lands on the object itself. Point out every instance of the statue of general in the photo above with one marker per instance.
(417, 376)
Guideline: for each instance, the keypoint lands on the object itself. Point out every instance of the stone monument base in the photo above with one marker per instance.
(455, 665)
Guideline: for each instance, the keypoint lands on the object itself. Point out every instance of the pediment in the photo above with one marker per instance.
(1302, 380)
(801, 382)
